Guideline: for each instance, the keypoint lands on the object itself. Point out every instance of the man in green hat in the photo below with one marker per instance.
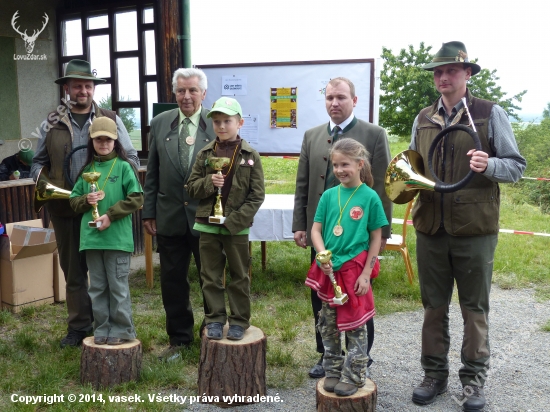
(61, 132)
(457, 232)
(17, 166)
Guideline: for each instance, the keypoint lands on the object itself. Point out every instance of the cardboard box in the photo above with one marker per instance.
(26, 265)
(59, 292)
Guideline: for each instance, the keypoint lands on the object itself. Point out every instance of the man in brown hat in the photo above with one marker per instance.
(457, 232)
(60, 133)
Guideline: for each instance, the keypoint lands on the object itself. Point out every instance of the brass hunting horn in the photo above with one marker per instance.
(45, 190)
(405, 173)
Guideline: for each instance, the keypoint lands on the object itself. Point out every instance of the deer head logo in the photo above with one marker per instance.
(29, 40)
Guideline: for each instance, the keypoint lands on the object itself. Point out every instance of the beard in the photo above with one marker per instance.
(82, 104)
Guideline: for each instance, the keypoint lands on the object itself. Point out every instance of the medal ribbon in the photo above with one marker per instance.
(343, 208)
(113, 165)
(232, 158)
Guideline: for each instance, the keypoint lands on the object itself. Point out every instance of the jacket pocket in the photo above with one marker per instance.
(475, 212)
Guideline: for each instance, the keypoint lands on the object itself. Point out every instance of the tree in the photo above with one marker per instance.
(546, 112)
(533, 145)
(407, 88)
(126, 115)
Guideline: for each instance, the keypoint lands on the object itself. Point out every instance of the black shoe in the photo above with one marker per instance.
(214, 330)
(317, 372)
(235, 332)
(73, 339)
(427, 391)
(475, 398)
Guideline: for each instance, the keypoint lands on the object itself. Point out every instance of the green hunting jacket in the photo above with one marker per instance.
(247, 187)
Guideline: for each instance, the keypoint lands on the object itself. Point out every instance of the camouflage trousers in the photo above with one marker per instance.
(351, 368)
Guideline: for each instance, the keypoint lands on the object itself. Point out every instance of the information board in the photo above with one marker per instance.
(282, 100)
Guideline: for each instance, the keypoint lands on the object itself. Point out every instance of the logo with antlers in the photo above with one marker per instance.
(29, 40)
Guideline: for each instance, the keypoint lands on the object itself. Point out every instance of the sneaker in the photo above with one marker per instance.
(100, 340)
(235, 332)
(427, 391)
(214, 330)
(317, 372)
(474, 397)
(73, 339)
(116, 341)
(330, 383)
(345, 389)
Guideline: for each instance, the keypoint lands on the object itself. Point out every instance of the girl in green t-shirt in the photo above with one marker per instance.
(347, 230)
(107, 237)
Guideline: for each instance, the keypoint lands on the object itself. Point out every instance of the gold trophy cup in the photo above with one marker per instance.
(218, 163)
(92, 178)
(339, 297)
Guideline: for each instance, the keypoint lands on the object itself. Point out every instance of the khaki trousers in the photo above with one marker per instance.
(214, 250)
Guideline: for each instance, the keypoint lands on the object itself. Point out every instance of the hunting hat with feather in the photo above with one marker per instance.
(452, 52)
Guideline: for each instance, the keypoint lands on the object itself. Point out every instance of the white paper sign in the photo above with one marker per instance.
(249, 131)
(234, 85)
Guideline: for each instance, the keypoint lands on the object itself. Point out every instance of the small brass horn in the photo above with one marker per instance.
(45, 190)
(405, 173)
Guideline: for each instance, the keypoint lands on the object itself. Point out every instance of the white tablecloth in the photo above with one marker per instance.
(274, 219)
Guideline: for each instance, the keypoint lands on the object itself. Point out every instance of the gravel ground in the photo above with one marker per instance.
(520, 366)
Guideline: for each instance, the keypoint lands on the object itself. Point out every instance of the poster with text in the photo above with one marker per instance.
(283, 107)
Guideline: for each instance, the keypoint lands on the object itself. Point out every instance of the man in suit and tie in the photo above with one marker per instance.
(315, 175)
(175, 138)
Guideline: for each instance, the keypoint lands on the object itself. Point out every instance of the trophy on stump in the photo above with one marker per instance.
(339, 297)
(92, 178)
(218, 163)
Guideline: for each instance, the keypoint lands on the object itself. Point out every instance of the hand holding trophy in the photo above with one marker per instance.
(218, 163)
(92, 178)
(339, 297)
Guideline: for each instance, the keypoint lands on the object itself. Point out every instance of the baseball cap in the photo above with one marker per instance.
(103, 126)
(226, 105)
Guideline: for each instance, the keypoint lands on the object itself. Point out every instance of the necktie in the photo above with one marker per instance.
(330, 179)
(183, 146)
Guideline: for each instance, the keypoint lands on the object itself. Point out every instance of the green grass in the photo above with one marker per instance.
(32, 363)
(135, 137)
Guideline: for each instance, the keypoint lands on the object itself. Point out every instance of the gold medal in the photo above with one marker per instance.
(100, 194)
(190, 140)
(338, 230)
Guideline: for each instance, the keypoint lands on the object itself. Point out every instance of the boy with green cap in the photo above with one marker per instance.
(242, 194)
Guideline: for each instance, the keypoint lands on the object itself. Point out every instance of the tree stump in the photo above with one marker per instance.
(106, 365)
(364, 400)
(233, 372)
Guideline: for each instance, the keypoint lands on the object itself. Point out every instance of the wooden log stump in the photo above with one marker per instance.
(233, 369)
(364, 400)
(105, 366)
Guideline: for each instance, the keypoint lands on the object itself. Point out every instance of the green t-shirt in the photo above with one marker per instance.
(121, 181)
(362, 214)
